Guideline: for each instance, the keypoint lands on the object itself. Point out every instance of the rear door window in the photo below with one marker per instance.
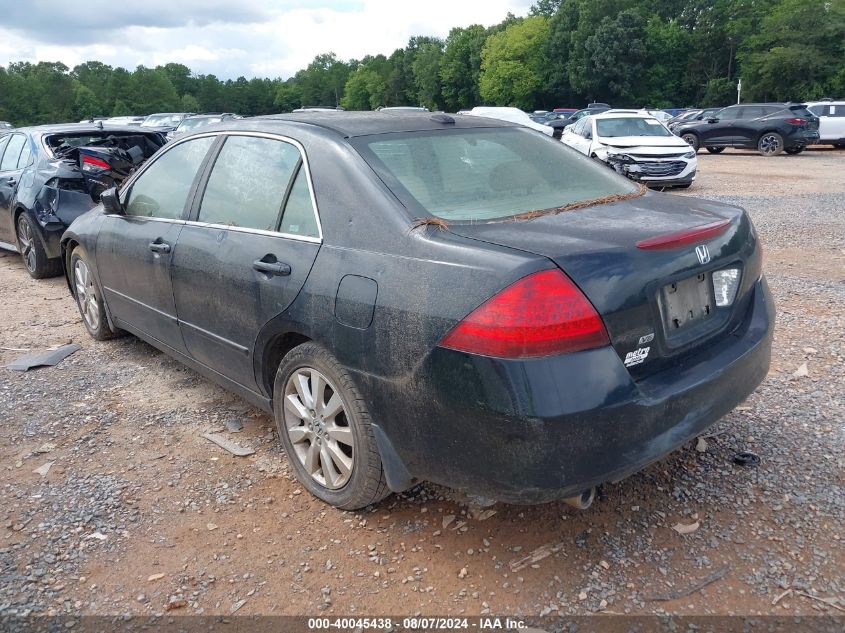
(730, 114)
(13, 153)
(248, 183)
(26, 155)
(162, 190)
(751, 112)
(299, 216)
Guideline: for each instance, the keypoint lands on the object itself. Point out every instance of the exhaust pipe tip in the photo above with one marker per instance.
(583, 500)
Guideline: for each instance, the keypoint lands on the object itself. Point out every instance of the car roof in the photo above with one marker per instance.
(622, 114)
(350, 124)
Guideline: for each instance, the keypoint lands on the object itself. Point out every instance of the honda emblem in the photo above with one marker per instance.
(703, 254)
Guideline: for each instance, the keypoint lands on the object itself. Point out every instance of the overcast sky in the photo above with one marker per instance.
(228, 38)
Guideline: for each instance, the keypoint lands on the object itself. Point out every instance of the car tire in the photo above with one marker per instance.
(329, 443)
(770, 144)
(692, 140)
(88, 297)
(794, 151)
(715, 150)
(35, 259)
(839, 145)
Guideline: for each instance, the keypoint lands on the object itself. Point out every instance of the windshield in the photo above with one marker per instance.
(190, 124)
(155, 120)
(484, 174)
(630, 126)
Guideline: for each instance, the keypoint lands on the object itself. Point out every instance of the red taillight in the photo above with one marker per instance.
(687, 236)
(89, 163)
(796, 121)
(539, 315)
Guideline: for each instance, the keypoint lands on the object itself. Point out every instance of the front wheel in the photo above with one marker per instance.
(770, 144)
(38, 265)
(715, 150)
(325, 427)
(88, 298)
(793, 151)
(691, 140)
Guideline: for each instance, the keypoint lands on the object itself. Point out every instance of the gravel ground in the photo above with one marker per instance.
(139, 515)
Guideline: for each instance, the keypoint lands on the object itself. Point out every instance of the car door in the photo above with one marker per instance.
(245, 254)
(747, 125)
(10, 173)
(134, 250)
(723, 131)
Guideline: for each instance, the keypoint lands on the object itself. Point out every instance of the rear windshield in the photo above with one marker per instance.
(630, 126)
(486, 174)
(63, 144)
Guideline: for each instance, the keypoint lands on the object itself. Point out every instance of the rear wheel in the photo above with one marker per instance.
(839, 145)
(794, 150)
(38, 265)
(715, 150)
(770, 144)
(691, 140)
(88, 298)
(325, 427)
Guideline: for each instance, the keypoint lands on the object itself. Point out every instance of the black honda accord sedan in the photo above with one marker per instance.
(427, 297)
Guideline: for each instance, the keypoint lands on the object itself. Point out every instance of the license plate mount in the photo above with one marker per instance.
(687, 303)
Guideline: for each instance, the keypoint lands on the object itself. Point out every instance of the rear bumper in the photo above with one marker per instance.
(532, 431)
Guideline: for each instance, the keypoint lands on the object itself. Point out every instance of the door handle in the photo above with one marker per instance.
(276, 269)
(159, 247)
(11, 181)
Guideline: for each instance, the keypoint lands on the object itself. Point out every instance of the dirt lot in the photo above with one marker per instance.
(139, 513)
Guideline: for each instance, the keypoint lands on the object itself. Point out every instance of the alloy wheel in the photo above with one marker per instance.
(83, 282)
(318, 428)
(691, 140)
(26, 241)
(770, 144)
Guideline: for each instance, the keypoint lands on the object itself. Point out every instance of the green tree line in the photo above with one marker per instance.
(634, 53)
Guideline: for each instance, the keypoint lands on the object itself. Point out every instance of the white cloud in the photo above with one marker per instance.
(284, 37)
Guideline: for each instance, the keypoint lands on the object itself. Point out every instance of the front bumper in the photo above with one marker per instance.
(533, 431)
(678, 171)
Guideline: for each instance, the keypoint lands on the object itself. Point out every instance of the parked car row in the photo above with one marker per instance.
(413, 296)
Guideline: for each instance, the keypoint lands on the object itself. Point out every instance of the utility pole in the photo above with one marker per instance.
(738, 89)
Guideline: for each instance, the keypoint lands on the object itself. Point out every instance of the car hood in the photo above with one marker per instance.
(644, 142)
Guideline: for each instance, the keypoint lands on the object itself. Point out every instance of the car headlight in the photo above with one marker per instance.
(690, 154)
(725, 285)
(622, 158)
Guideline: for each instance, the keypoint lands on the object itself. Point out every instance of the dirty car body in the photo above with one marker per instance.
(57, 173)
(520, 321)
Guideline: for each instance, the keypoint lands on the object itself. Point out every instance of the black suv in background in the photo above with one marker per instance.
(770, 128)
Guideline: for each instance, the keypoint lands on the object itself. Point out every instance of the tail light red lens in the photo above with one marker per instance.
(796, 121)
(539, 315)
(89, 163)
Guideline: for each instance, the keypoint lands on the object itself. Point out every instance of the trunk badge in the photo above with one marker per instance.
(703, 254)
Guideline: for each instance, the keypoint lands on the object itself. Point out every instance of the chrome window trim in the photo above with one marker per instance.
(269, 135)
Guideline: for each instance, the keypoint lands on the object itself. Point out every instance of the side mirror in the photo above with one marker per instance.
(111, 202)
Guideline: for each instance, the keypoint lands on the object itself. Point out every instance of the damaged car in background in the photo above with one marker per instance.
(50, 175)
(636, 145)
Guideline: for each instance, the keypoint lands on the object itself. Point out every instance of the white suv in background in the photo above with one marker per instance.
(636, 145)
(831, 121)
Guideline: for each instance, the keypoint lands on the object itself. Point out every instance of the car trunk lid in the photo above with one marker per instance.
(644, 295)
